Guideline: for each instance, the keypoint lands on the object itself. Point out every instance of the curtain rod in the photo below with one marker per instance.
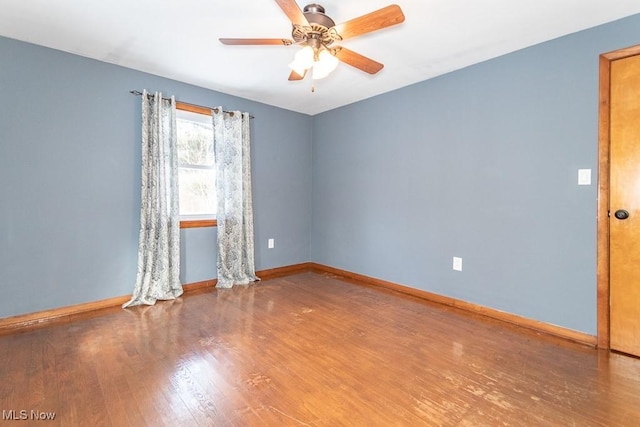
(138, 93)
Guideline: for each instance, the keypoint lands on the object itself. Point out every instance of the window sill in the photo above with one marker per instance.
(197, 223)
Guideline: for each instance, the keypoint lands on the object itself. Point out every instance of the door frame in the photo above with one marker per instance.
(603, 236)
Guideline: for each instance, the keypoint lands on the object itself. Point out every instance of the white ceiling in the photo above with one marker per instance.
(179, 40)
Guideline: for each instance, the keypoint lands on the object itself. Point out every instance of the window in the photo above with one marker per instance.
(196, 166)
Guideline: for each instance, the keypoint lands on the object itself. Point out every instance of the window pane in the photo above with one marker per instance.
(196, 173)
(195, 143)
(197, 191)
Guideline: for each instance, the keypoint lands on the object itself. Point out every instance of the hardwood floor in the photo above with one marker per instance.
(308, 349)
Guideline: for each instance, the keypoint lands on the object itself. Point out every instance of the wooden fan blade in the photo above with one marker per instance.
(295, 76)
(293, 12)
(284, 42)
(359, 61)
(381, 18)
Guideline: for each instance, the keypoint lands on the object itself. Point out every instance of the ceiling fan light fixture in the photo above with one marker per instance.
(303, 60)
(316, 31)
(325, 64)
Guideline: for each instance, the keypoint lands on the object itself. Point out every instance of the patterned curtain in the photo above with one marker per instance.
(234, 209)
(158, 276)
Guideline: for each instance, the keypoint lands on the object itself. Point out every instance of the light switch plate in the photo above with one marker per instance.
(584, 176)
(457, 263)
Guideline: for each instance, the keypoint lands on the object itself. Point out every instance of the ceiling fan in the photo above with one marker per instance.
(317, 32)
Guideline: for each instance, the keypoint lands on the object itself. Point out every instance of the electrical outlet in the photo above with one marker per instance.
(457, 263)
(271, 243)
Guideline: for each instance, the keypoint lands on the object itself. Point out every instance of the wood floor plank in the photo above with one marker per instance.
(310, 349)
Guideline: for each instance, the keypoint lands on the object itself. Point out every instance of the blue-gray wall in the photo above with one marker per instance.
(482, 164)
(70, 180)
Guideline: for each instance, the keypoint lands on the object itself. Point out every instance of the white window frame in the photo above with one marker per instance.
(193, 221)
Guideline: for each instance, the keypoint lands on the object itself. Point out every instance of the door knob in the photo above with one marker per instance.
(621, 214)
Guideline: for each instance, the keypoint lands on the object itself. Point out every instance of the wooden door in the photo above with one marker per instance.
(624, 244)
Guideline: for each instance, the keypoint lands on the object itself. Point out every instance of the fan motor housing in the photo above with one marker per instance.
(319, 25)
